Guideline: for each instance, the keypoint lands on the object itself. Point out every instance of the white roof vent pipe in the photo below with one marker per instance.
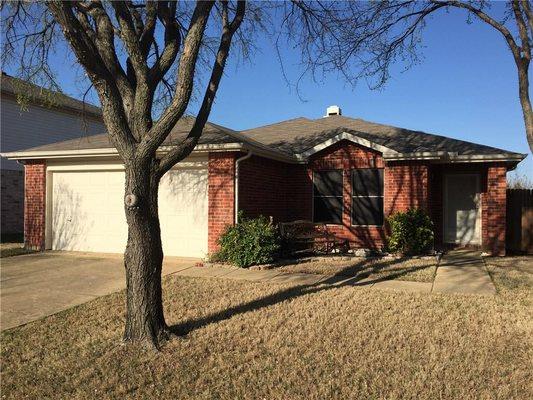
(333, 110)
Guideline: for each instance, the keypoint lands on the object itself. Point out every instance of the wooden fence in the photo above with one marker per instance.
(519, 234)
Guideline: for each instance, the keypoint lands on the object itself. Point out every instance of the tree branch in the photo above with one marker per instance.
(181, 151)
(529, 15)
(103, 39)
(184, 85)
(522, 31)
(489, 20)
(103, 81)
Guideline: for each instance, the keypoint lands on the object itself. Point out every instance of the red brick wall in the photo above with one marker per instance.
(284, 191)
(406, 186)
(34, 204)
(347, 156)
(221, 191)
(262, 188)
(12, 201)
(493, 210)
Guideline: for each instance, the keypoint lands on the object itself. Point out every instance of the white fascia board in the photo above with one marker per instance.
(352, 138)
(51, 154)
(453, 157)
(109, 152)
(29, 155)
(486, 158)
(420, 155)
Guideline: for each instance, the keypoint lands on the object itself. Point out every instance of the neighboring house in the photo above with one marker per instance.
(45, 117)
(346, 172)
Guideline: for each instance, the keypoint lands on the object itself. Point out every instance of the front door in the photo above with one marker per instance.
(462, 214)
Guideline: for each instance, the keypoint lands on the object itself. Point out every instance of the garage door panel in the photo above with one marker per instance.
(183, 211)
(88, 213)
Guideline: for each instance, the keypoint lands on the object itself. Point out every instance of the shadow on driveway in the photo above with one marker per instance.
(36, 285)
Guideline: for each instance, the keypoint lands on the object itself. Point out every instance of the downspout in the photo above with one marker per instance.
(236, 200)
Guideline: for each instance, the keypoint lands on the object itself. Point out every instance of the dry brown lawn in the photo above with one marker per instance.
(511, 273)
(261, 341)
(407, 269)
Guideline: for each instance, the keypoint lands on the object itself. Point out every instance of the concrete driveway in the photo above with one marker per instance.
(36, 285)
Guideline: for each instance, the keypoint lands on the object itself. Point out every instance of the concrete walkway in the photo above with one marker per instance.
(36, 285)
(276, 277)
(458, 272)
(463, 271)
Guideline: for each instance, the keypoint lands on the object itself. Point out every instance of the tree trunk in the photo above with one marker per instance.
(523, 93)
(143, 259)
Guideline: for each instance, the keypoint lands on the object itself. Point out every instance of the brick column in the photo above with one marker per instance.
(221, 192)
(493, 209)
(34, 204)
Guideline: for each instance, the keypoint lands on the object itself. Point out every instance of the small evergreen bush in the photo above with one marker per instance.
(411, 232)
(249, 242)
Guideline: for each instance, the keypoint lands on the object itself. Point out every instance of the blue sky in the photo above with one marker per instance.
(465, 88)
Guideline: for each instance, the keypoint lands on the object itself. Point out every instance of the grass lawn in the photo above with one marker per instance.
(260, 341)
(406, 269)
(511, 273)
(13, 249)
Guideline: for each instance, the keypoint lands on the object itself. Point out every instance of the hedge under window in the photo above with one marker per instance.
(327, 196)
(367, 196)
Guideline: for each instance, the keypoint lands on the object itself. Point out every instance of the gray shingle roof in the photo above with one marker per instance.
(301, 134)
(291, 138)
(44, 97)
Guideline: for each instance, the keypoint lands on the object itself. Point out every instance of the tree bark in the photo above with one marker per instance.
(523, 93)
(143, 259)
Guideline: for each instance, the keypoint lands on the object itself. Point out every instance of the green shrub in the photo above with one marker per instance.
(250, 242)
(411, 232)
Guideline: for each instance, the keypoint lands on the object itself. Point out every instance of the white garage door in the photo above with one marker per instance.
(88, 214)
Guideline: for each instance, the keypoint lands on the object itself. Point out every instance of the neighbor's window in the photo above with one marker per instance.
(367, 196)
(327, 196)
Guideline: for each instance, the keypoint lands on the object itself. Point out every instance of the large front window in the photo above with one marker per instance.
(367, 196)
(327, 196)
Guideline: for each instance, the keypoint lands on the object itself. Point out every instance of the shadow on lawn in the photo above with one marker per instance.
(333, 282)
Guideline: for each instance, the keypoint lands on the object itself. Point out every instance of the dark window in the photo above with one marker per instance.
(327, 196)
(367, 196)
(367, 182)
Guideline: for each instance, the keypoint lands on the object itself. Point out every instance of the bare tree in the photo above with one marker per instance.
(363, 39)
(136, 53)
(126, 60)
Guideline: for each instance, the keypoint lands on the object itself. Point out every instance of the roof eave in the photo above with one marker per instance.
(91, 110)
(110, 152)
(106, 152)
(453, 157)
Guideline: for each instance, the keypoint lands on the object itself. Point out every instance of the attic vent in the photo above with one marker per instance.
(333, 110)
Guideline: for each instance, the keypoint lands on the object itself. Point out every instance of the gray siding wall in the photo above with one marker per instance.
(34, 126)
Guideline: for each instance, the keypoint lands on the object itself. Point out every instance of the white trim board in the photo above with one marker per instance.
(350, 137)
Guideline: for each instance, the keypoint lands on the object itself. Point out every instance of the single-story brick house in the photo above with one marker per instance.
(348, 173)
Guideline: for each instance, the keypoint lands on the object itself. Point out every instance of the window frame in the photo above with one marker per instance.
(313, 195)
(353, 196)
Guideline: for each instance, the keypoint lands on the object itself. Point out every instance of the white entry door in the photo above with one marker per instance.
(88, 211)
(462, 213)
